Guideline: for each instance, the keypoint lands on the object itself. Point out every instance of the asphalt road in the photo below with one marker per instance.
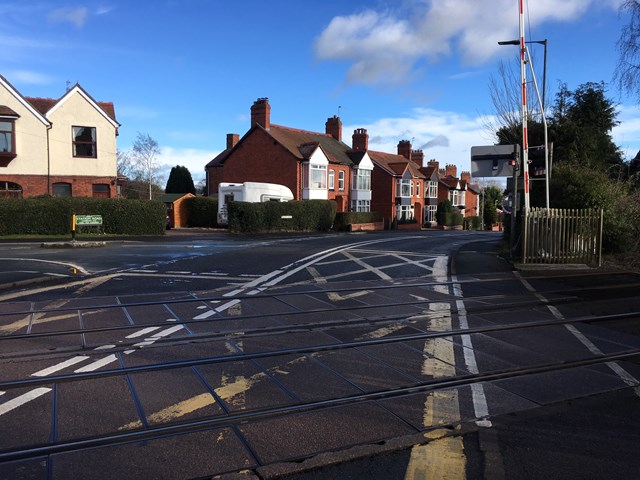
(390, 355)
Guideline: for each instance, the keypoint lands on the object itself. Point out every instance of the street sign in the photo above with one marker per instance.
(494, 160)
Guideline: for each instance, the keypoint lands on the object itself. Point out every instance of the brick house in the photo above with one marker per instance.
(313, 165)
(398, 185)
(62, 147)
(462, 193)
(431, 181)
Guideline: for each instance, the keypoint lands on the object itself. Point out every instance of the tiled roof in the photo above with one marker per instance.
(219, 159)
(395, 164)
(302, 143)
(6, 111)
(43, 105)
(450, 182)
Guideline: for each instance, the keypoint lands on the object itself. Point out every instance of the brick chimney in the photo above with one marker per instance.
(441, 172)
(232, 140)
(466, 176)
(360, 140)
(333, 127)
(418, 157)
(451, 171)
(434, 163)
(261, 113)
(404, 149)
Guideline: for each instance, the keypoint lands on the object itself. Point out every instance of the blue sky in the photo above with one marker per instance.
(187, 71)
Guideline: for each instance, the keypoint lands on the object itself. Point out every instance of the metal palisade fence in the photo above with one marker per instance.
(553, 235)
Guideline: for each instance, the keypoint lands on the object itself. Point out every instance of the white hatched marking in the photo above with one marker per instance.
(625, 376)
(98, 364)
(60, 366)
(22, 399)
(143, 332)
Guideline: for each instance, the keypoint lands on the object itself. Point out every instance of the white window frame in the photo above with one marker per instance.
(403, 187)
(341, 180)
(430, 213)
(433, 189)
(332, 179)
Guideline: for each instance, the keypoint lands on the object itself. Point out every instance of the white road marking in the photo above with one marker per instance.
(480, 405)
(368, 267)
(60, 366)
(98, 364)
(22, 399)
(625, 376)
(142, 332)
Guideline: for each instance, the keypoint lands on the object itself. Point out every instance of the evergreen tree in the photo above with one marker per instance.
(180, 181)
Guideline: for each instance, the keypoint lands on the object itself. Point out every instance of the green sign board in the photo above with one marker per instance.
(88, 220)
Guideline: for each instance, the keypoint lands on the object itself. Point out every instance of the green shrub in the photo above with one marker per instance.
(305, 215)
(574, 186)
(472, 223)
(443, 212)
(52, 216)
(202, 211)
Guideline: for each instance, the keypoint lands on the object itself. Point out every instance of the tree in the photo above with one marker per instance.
(145, 151)
(627, 72)
(581, 125)
(180, 181)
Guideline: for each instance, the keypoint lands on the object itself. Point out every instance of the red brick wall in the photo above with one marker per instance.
(382, 193)
(470, 202)
(343, 203)
(35, 185)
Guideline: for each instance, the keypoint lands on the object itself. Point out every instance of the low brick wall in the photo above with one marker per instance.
(366, 227)
(409, 226)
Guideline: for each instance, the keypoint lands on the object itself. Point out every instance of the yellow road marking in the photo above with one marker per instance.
(443, 458)
(231, 391)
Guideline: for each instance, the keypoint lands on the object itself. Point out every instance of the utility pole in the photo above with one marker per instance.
(525, 136)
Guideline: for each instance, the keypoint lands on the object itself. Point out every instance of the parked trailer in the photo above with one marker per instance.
(254, 192)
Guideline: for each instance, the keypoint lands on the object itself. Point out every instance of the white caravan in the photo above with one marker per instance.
(254, 192)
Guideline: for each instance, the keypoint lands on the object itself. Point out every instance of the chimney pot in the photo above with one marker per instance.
(418, 157)
(360, 140)
(333, 127)
(232, 140)
(261, 113)
(451, 171)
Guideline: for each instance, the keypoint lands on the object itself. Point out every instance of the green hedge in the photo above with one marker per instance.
(344, 219)
(306, 215)
(52, 216)
(472, 223)
(203, 212)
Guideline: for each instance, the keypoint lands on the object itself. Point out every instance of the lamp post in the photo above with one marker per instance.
(526, 58)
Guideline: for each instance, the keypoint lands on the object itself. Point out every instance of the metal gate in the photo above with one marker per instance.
(553, 235)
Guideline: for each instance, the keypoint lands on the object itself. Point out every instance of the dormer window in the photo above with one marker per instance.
(84, 142)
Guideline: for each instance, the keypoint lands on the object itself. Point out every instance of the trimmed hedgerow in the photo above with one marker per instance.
(304, 215)
(52, 215)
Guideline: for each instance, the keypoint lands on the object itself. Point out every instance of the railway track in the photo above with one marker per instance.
(415, 342)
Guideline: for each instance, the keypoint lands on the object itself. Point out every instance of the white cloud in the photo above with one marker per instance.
(445, 136)
(76, 16)
(27, 77)
(194, 159)
(384, 47)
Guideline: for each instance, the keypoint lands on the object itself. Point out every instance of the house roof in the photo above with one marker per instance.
(7, 112)
(302, 143)
(450, 182)
(394, 164)
(44, 105)
(219, 159)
